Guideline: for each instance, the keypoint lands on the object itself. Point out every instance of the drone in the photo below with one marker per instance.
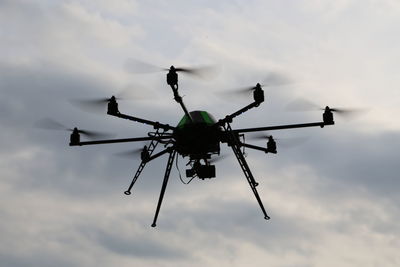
(198, 137)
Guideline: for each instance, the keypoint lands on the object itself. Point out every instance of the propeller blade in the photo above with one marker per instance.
(218, 158)
(136, 66)
(258, 136)
(347, 112)
(273, 79)
(203, 72)
(99, 104)
(281, 141)
(245, 90)
(95, 134)
(50, 124)
(302, 104)
(129, 153)
(96, 105)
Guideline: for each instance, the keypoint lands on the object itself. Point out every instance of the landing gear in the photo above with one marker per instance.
(235, 145)
(164, 185)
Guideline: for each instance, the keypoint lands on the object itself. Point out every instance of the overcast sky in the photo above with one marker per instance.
(333, 199)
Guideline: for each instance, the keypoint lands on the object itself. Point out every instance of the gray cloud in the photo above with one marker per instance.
(362, 160)
(64, 206)
(134, 246)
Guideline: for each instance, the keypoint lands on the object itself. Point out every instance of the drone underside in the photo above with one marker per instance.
(197, 136)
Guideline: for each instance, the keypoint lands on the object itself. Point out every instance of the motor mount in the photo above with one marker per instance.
(328, 116)
(74, 137)
(112, 107)
(258, 94)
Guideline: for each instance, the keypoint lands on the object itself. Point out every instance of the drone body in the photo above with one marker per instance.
(198, 137)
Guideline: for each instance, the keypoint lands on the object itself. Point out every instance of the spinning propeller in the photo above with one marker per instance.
(218, 158)
(50, 124)
(137, 66)
(283, 142)
(302, 104)
(129, 153)
(273, 79)
(99, 104)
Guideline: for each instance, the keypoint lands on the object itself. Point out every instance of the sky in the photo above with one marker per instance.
(333, 199)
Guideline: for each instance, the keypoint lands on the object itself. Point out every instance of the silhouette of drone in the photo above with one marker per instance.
(197, 136)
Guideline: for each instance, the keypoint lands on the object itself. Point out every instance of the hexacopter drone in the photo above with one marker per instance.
(197, 136)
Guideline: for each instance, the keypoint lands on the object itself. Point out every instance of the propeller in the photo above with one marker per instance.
(50, 124)
(259, 136)
(99, 104)
(283, 142)
(137, 67)
(129, 153)
(273, 79)
(218, 158)
(301, 104)
(245, 90)
(203, 72)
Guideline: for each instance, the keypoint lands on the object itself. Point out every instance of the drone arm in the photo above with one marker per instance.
(254, 147)
(125, 140)
(156, 125)
(228, 118)
(280, 127)
(185, 110)
(258, 95)
(178, 99)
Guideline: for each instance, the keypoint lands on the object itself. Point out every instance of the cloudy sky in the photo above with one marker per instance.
(333, 199)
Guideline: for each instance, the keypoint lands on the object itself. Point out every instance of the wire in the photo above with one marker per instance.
(191, 179)
(180, 176)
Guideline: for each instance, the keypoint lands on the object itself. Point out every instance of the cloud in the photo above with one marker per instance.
(134, 246)
(332, 200)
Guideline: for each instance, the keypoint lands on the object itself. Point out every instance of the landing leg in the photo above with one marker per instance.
(150, 150)
(164, 185)
(234, 143)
